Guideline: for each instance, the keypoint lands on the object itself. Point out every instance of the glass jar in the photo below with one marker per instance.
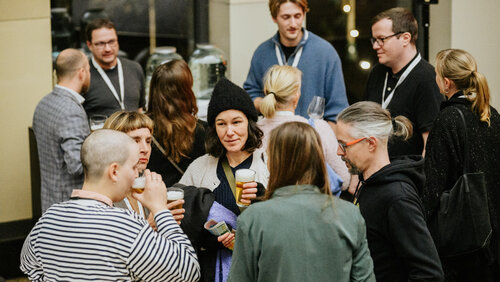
(208, 65)
(160, 56)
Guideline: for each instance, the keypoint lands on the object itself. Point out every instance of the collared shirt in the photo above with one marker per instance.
(85, 194)
(78, 97)
(392, 78)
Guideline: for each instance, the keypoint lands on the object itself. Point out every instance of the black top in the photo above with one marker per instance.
(99, 100)
(416, 98)
(160, 164)
(288, 51)
(400, 244)
(444, 160)
(223, 193)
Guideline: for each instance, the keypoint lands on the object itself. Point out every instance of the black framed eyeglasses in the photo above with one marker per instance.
(380, 41)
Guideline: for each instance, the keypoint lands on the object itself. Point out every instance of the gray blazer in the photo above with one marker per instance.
(60, 125)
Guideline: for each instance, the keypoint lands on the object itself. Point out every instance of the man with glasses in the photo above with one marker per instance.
(403, 82)
(399, 241)
(117, 83)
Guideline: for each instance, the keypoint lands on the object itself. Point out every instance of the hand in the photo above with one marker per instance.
(177, 213)
(249, 192)
(227, 239)
(151, 221)
(154, 196)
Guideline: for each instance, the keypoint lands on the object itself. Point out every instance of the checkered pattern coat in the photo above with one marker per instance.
(60, 125)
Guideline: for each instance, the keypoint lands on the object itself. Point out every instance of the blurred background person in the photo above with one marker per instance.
(179, 136)
(466, 90)
(117, 83)
(400, 243)
(232, 143)
(140, 128)
(301, 232)
(60, 125)
(402, 81)
(282, 93)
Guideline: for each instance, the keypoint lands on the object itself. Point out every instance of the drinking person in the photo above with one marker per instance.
(300, 232)
(140, 128)
(87, 239)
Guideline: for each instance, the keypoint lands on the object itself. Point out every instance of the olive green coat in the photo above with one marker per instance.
(301, 235)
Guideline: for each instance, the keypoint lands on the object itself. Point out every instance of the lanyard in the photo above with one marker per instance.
(141, 210)
(297, 56)
(385, 102)
(108, 82)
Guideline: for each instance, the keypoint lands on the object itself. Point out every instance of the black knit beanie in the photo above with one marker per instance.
(229, 96)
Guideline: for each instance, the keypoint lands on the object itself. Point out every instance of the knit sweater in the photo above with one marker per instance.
(328, 141)
(321, 68)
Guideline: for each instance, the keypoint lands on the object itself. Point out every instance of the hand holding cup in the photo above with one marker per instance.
(175, 200)
(244, 189)
(154, 196)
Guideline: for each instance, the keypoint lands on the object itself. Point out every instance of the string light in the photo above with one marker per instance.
(346, 8)
(354, 33)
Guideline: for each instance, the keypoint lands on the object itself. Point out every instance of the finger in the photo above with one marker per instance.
(177, 212)
(178, 217)
(174, 204)
(245, 201)
(250, 185)
(222, 237)
(250, 191)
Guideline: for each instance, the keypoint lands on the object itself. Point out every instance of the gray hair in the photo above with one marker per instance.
(102, 148)
(370, 119)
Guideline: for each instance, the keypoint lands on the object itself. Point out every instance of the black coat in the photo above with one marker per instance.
(444, 164)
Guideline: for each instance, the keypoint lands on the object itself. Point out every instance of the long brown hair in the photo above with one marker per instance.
(172, 107)
(295, 158)
(460, 67)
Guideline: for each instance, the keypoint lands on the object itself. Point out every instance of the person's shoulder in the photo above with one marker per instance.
(425, 71)
(203, 161)
(127, 63)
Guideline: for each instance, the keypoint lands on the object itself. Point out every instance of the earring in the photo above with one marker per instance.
(446, 91)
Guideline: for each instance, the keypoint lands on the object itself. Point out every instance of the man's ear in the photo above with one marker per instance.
(372, 143)
(113, 172)
(275, 20)
(89, 44)
(406, 36)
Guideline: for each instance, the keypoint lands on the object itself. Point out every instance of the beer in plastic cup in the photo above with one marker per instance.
(242, 176)
(139, 184)
(174, 194)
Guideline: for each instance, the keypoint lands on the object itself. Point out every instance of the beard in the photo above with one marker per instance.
(353, 169)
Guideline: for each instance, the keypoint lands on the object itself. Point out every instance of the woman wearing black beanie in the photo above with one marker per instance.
(232, 141)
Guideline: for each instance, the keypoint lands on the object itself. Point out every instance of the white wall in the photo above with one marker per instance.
(473, 26)
(25, 77)
(238, 27)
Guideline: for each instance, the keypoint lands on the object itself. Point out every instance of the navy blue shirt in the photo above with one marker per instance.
(223, 193)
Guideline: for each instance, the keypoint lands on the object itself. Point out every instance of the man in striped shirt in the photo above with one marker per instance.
(87, 238)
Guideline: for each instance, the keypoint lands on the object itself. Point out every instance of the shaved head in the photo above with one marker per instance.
(68, 62)
(102, 148)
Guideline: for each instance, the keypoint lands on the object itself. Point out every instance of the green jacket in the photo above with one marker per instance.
(301, 235)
